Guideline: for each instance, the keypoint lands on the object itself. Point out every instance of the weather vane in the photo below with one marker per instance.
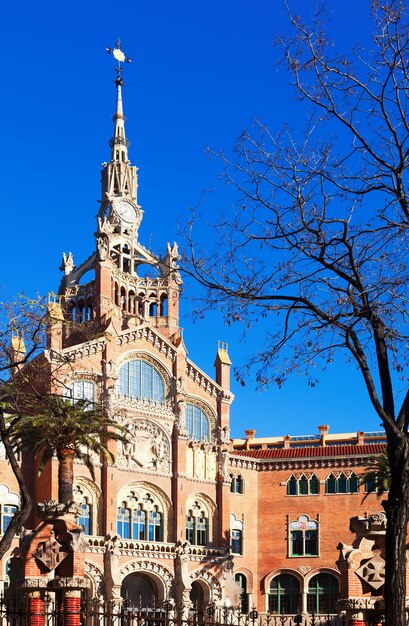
(119, 56)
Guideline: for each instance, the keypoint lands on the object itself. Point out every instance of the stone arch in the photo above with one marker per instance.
(84, 487)
(265, 583)
(96, 575)
(249, 577)
(162, 577)
(210, 583)
(8, 497)
(321, 570)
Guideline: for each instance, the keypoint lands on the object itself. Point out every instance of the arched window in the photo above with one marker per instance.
(284, 594)
(303, 537)
(7, 512)
(163, 308)
(237, 484)
(85, 517)
(139, 518)
(197, 423)
(155, 525)
(303, 485)
(241, 580)
(138, 523)
(81, 390)
(122, 523)
(139, 379)
(322, 596)
(197, 528)
(236, 534)
(341, 483)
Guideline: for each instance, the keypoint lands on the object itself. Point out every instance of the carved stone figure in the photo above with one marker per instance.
(67, 264)
(111, 562)
(102, 247)
(146, 446)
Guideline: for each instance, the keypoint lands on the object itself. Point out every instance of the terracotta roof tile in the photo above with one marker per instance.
(313, 452)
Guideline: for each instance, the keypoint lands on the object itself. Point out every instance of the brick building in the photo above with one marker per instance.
(184, 513)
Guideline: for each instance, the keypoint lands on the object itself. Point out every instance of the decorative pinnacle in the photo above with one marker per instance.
(120, 57)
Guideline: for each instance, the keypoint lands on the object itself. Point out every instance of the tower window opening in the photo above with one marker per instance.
(126, 266)
(132, 303)
(89, 309)
(153, 309)
(123, 298)
(116, 294)
(81, 311)
(163, 308)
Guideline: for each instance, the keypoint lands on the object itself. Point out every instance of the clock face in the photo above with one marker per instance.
(125, 210)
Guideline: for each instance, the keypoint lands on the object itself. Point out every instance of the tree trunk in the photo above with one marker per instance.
(65, 475)
(396, 533)
(26, 502)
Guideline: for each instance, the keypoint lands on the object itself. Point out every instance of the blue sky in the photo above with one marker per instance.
(201, 73)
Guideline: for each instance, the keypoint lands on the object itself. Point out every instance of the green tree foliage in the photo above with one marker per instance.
(69, 430)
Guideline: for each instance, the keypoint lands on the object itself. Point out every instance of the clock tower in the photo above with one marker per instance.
(132, 285)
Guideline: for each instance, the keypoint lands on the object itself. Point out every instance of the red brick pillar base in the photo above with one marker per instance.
(35, 608)
(72, 608)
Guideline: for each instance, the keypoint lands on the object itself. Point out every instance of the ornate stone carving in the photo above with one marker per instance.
(147, 446)
(67, 264)
(118, 405)
(303, 569)
(367, 526)
(70, 582)
(153, 567)
(97, 579)
(102, 246)
(373, 572)
(224, 463)
(50, 553)
(212, 581)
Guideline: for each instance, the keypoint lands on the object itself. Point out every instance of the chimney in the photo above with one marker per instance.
(250, 434)
(361, 438)
(323, 430)
(286, 440)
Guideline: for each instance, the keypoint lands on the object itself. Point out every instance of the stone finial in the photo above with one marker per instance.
(323, 431)
(286, 440)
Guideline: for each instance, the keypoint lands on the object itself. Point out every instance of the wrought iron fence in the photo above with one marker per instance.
(98, 613)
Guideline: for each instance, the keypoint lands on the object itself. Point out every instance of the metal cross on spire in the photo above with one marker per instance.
(120, 57)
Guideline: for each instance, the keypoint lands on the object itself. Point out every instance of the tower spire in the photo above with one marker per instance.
(119, 176)
(119, 144)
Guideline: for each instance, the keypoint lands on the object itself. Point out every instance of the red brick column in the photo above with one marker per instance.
(72, 608)
(35, 607)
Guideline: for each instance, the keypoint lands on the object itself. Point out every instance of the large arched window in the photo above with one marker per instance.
(322, 594)
(284, 594)
(85, 516)
(197, 423)
(139, 379)
(140, 516)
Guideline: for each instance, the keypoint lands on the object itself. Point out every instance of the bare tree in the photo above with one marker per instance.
(318, 241)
